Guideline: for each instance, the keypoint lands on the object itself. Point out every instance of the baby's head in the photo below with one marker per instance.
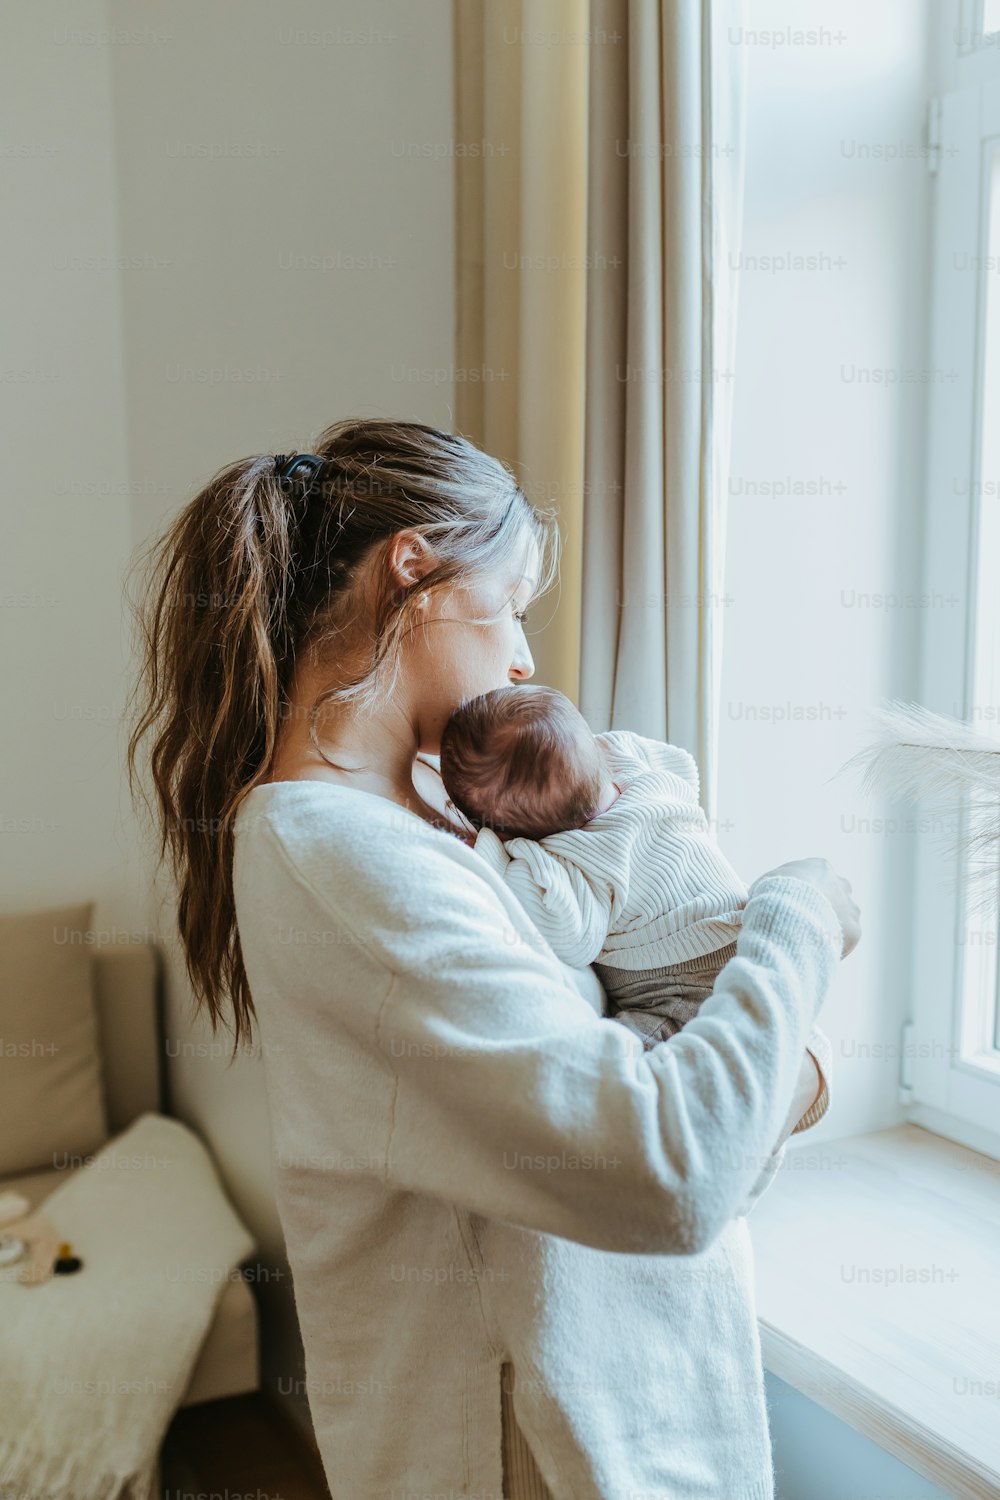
(522, 761)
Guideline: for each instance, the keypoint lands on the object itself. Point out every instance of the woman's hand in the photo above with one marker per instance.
(837, 890)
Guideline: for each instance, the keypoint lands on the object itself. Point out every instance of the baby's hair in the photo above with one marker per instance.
(522, 761)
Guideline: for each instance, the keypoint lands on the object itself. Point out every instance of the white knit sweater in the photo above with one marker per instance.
(641, 886)
(473, 1166)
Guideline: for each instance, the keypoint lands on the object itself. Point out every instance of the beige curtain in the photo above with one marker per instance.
(598, 228)
(521, 212)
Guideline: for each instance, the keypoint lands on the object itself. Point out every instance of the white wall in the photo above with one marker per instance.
(66, 831)
(798, 638)
(818, 1457)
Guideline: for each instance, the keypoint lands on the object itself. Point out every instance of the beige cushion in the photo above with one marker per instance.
(51, 1099)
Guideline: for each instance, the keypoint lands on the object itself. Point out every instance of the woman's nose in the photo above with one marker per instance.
(522, 666)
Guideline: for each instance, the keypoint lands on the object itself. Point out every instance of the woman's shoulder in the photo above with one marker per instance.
(287, 803)
(311, 815)
(412, 897)
(357, 850)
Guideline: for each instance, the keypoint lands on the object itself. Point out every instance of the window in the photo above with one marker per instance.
(954, 1044)
(978, 26)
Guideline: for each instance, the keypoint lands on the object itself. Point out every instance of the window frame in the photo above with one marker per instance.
(977, 51)
(953, 1087)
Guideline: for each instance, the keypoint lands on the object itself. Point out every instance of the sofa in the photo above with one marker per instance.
(127, 995)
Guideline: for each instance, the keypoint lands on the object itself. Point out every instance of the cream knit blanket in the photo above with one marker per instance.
(94, 1364)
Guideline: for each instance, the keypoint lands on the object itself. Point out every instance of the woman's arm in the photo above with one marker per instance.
(810, 1103)
(513, 1099)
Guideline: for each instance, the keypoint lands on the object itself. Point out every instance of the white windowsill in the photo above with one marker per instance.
(911, 1357)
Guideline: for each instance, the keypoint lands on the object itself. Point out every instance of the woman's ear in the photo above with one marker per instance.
(408, 558)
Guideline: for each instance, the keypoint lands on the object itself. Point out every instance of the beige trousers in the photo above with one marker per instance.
(521, 1477)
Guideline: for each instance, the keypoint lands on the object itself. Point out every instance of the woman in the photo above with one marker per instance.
(516, 1239)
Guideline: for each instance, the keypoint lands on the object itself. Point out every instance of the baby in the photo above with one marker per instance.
(605, 843)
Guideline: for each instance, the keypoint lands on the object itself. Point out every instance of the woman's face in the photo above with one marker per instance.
(454, 657)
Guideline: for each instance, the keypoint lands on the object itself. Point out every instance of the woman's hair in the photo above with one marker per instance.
(522, 761)
(248, 576)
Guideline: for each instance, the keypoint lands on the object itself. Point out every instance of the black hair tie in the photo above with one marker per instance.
(289, 467)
